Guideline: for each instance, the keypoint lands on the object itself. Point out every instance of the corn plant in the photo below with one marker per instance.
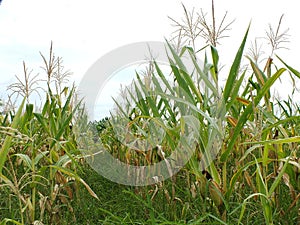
(258, 153)
(39, 158)
(243, 142)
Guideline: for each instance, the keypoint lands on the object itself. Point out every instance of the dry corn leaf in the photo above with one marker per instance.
(92, 193)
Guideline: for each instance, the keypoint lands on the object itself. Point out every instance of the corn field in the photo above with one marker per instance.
(253, 138)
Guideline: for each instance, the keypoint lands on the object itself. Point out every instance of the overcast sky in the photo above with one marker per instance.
(83, 31)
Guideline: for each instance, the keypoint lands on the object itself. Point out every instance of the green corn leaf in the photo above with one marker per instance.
(192, 85)
(165, 101)
(27, 116)
(8, 182)
(249, 109)
(68, 102)
(8, 139)
(250, 150)
(26, 160)
(64, 125)
(119, 107)
(234, 70)
(235, 90)
(260, 76)
(279, 176)
(236, 176)
(276, 141)
(163, 78)
(205, 78)
(181, 81)
(245, 202)
(297, 73)
(263, 188)
(9, 221)
(141, 101)
(214, 173)
(215, 58)
(148, 96)
(280, 122)
(40, 156)
(42, 121)
(176, 58)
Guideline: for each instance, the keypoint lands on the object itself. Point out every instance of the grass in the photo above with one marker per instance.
(244, 167)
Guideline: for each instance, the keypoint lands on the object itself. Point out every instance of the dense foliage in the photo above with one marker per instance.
(253, 179)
